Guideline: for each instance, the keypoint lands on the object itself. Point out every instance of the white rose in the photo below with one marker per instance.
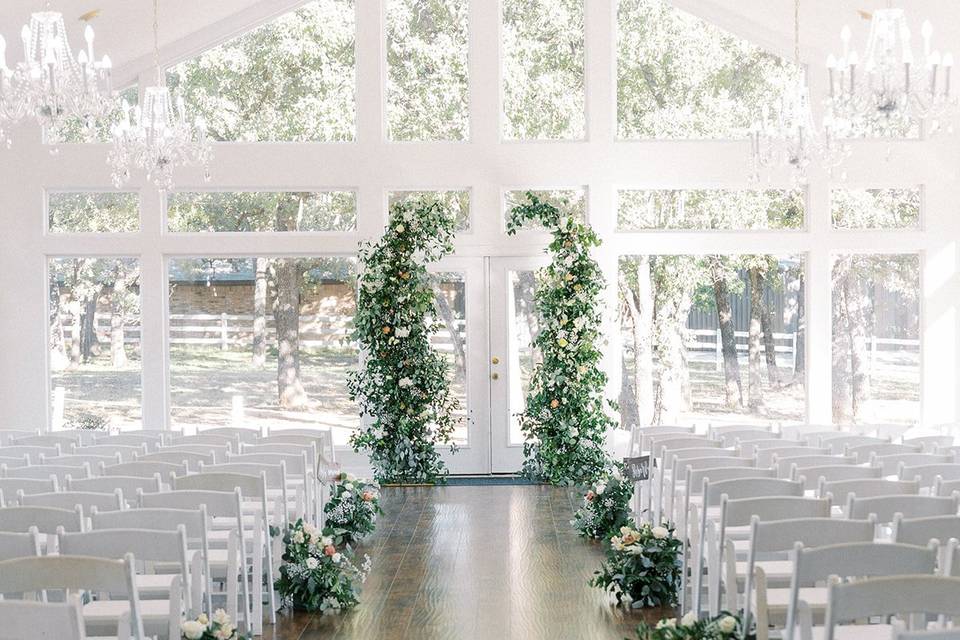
(298, 537)
(727, 624)
(337, 557)
(220, 617)
(660, 533)
(309, 529)
(689, 619)
(405, 382)
(601, 487)
(667, 622)
(192, 630)
(402, 332)
(225, 632)
(326, 541)
(616, 473)
(312, 563)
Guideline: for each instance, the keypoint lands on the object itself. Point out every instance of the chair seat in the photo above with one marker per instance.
(100, 611)
(855, 632)
(815, 597)
(775, 570)
(153, 585)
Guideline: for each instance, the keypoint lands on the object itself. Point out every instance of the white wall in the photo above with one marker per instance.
(488, 167)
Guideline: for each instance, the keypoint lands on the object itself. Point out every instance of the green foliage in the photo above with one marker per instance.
(724, 626)
(316, 575)
(642, 568)
(245, 211)
(606, 505)
(564, 421)
(352, 510)
(403, 385)
(875, 208)
(292, 79)
(543, 73)
(679, 76)
(427, 88)
(93, 212)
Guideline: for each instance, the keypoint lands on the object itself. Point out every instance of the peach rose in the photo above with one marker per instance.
(329, 550)
(590, 495)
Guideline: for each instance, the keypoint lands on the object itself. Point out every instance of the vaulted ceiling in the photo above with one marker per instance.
(124, 26)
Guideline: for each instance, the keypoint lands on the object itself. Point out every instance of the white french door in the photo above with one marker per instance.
(513, 326)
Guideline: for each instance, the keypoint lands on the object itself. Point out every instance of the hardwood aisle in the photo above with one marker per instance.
(474, 562)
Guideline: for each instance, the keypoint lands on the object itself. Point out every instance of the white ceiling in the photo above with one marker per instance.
(124, 26)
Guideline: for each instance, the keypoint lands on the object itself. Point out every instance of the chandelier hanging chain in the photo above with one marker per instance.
(796, 32)
(156, 42)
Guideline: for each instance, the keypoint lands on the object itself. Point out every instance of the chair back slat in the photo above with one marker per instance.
(785, 463)
(740, 512)
(251, 486)
(70, 499)
(920, 531)
(766, 457)
(868, 488)
(44, 471)
(749, 488)
(29, 619)
(19, 545)
(885, 507)
(129, 485)
(46, 519)
(146, 469)
(833, 473)
(781, 535)
(928, 473)
(696, 477)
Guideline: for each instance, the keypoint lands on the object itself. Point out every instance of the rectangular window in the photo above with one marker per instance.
(876, 338)
(93, 212)
(427, 88)
(875, 208)
(256, 211)
(707, 209)
(94, 306)
(290, 80)
(457, 202)
(679, 76)
(570, 202)
(543, 73)
(262, 341)
(713, 337)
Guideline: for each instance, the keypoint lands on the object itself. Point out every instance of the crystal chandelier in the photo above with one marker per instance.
(790, 137)
(159, 136)
(50, 86)
(889, 91)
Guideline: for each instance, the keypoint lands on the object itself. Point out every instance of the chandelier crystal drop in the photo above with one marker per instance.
(158, 136)
(790, 137)
(890, 88)
(50, 86)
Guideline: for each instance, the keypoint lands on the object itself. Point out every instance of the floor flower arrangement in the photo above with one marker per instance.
(642, 568)
(725, 626)
(316, 574)
(216, 627)
(352, 510)
(606, 505)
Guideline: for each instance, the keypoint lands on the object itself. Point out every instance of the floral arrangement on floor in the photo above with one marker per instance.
(403, 384)
(352, 510)
(565, 418)
(219, 627)
(725, 626)
(316, 574)
(606, 505)
(642, 568)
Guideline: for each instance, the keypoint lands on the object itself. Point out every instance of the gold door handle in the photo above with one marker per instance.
(495, 360)
(495, 376)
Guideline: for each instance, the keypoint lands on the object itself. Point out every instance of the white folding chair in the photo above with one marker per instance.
(661, 449)
(735, 436)
(218, 451)
(716, 431)
(129, 485)
(251, 487)
(677, 460)
(640, 435)
(146, 469)
(767, 457)
(28, 619)
(841, 490)
(299, 477)
(14, 461)
(11, 487)
(866, 452)
(6, 435)
(77, 573)
(839, 443)
(47, 521)
(194, 522)
(229, 561)
(31, 451)
(207, 439)
(932, 634)
(69, 500)
(888, 596)
(833, 473)
(192, 459)
(920, 531)
(159, 615)
(243, 434)
(66, 442)
(768, 568)
(751, 447)
(736, 516)
(322, 436)
(150, 440)
(885, 507)
(928, 473)
(79, 460)
(126, 452)
(943, 487)
(930, 443)
(19, 545)
(817, 565)
(891, 463)
(45, 471)
(785, 463)
(83, 436)
(808, 432)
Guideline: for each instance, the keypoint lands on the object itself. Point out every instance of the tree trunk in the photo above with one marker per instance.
(260, 313)
(76, 317)
(840, 359)
(639, 307)
(524, 294)
(755, 386)
(88, 329)
(733, 387)
(801, 351)
(769, 345)
(450, 322)
(673, 308)
(286, 314)
(856, 306)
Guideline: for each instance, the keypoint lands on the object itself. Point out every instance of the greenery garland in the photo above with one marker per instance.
(403, 385)
(564, 421)
(724, 626)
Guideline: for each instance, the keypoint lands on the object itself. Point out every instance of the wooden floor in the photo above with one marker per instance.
(474, 562)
